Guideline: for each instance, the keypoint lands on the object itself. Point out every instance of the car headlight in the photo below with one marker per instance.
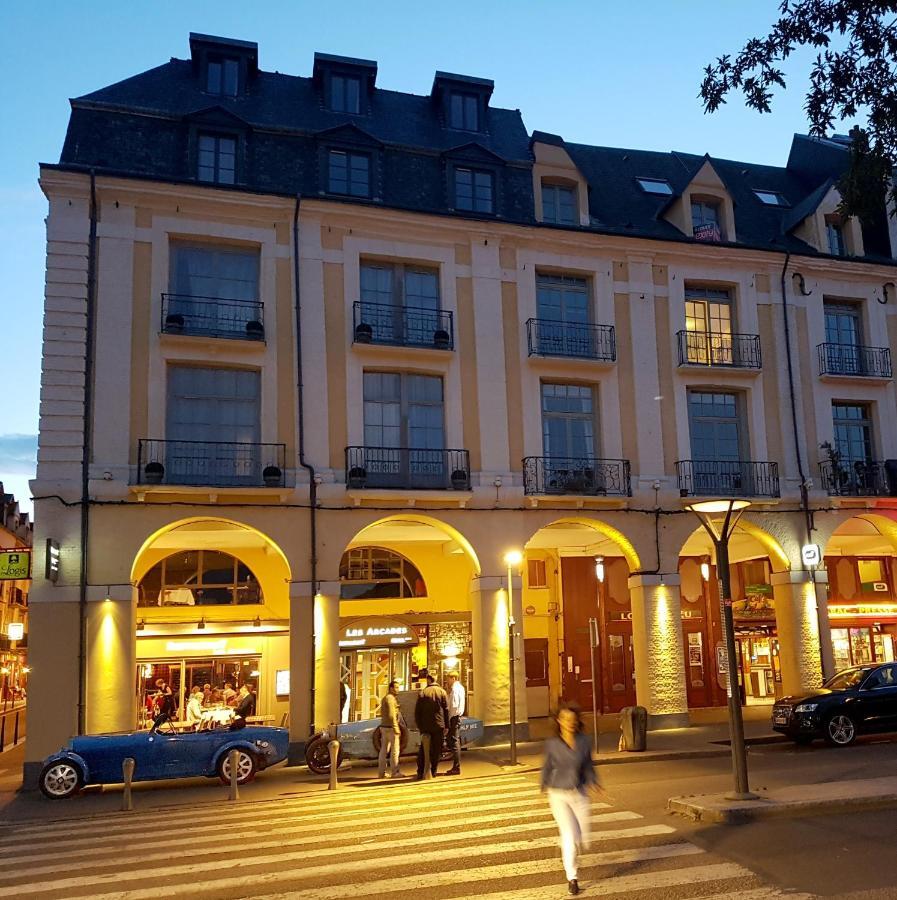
(263, 744)
(806, 707)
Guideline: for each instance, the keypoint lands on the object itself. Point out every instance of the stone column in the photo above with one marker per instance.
(302, 662)
(826, 652)
(326, 644)
(657, 644)
(798, 627)
(111, 697)
(489, 621)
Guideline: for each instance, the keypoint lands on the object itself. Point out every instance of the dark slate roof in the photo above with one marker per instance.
(807, 206)
(292, 103)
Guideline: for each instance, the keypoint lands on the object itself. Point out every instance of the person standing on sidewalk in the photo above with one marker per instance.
(431, 717)
(390, 732)
(457, 698)
(568, 775)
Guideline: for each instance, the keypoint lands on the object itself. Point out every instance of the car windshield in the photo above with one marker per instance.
(850, 678)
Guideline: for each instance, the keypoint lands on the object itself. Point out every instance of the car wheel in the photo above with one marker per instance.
(377, 739)
(61, 779)
(840, 730)
(246, 767)
(317, 756)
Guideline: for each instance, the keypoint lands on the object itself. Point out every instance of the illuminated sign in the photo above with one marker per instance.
(51, 561)
(15, 564)
(15, 631)
(376, 633)
(862, 610)
(811, 555)
(282, 682)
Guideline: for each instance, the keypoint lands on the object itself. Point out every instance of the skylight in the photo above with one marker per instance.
(771, 198)
(658, 186)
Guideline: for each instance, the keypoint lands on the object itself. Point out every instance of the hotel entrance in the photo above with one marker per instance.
(367, 674)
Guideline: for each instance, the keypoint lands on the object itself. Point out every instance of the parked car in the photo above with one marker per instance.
(860, 700)
(361, 740)
(162, 752)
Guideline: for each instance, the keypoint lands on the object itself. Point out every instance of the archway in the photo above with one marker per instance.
(577, 569)
(212, 600)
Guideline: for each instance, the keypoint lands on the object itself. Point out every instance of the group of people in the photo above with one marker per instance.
(202, 699)
(437, 716)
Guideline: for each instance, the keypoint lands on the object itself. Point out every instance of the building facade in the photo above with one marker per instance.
(318, 354)
(16, 533)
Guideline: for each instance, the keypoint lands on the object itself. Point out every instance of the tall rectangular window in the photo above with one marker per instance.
(403, 410)
(223, 76)
(474, 190)
(562, 298)
(834, 236)
(708, 321)
(714, 426)
(400, 302)
(464, 111)
(853, 433)
(217, 159)
(558, 204)
(345, 94)
(349, 173)
(568, 421)
(218, 273)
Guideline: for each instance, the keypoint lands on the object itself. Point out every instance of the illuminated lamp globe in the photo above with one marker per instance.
(709, 507)
(513, 558)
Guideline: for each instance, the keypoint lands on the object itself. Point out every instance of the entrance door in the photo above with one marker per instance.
(580, 586)
(619, 667)
(369, 673)
(697, 676)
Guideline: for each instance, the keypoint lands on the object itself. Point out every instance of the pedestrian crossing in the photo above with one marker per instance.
(491, 837)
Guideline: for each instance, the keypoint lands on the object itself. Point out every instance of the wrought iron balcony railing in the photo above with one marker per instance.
(727, 478)
(859, 478)
(854, 359)
(402, 326)
(576, 475)
(703, 348)
(407, 468)
(547, 337)
(210, 463)
(212, 317)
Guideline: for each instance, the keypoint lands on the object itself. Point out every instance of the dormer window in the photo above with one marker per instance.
(771, 198)
(216, 158)
(349, 173)
(345, 94)
(658, 186)
(223, 76)
(464, 111)
(706, 220)
(835, 236)
(474, 190)
(558, 204)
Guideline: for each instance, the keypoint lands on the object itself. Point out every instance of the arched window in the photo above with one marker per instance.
(199, 578)
(374, 573)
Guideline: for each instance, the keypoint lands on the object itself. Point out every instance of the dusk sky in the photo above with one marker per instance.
(595, 72)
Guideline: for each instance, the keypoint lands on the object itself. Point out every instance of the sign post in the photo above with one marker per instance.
(593, 646)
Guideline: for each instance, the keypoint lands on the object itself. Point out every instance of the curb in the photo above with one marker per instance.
(751, 811)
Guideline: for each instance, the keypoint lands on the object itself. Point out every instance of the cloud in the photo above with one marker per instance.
(18, 454)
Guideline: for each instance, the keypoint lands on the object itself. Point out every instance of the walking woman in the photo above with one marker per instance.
(568, 775)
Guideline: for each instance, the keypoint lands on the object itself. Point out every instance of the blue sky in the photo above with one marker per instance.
(593, 71)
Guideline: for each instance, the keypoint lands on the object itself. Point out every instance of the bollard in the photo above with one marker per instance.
(234, 792)
(425, 742)
(127, 770)
(333, 746)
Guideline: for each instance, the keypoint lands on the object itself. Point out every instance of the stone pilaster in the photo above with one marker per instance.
(798, 627)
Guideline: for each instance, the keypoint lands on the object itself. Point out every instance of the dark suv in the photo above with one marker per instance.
(856, 701)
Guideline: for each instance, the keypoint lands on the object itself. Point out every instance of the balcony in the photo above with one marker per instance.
(574, 340)
(407, 469)
(734, 351)
(212, 317)
(867, 478)
(210, 463)
(402, 326)
(854, 360)
(727, 478)
(576, 475)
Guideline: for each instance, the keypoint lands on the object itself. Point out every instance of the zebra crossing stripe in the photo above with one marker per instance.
(303, 840)
(195, 871)
(766, 893)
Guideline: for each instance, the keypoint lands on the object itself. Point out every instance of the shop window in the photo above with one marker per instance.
(536, 576)
(199, 578)
(374, 573)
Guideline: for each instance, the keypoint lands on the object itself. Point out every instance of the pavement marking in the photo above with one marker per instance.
(265, 810)
(197, 870)
(621, 884)
(93, 845)
(139, 857)
(429, 880)
(766, 893)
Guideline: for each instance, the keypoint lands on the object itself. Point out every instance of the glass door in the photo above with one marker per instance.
(708, 326)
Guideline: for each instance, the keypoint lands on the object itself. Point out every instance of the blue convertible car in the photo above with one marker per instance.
(162, 752)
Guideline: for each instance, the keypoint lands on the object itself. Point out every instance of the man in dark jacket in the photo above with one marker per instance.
(431, 717)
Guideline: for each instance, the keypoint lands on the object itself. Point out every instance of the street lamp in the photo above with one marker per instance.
(513, 558)
(709, 513)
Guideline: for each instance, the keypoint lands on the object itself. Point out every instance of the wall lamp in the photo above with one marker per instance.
(884, 291)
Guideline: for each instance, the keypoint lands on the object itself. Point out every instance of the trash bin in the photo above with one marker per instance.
(634, 727)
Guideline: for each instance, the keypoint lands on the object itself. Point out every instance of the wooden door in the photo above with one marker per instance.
(580, 591)
(619, 666)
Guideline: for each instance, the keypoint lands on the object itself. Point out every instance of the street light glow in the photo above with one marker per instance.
(513, 558)
(717, 506)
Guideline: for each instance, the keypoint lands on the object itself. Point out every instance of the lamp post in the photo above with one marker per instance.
(513, 558)
(709, 513)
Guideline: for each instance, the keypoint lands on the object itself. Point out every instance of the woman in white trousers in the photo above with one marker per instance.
(568, 776)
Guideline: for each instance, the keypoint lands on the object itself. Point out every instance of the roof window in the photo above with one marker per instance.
(771, 198)
(659, 186)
